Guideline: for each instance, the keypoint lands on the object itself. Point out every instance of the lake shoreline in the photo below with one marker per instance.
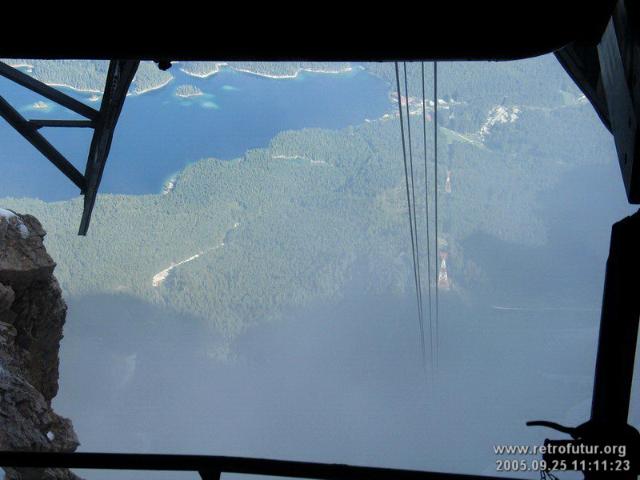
(177, 130)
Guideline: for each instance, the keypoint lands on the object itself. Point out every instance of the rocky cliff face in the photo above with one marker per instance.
(32, 314)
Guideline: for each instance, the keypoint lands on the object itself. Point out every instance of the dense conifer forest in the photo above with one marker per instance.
(244, 241)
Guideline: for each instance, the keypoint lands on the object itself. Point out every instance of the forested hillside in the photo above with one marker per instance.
(266, 69)
(538, 81)
(522, 82)
(243, 241)
(89, 75)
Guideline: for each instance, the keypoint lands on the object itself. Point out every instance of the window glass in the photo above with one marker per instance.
(247, 285)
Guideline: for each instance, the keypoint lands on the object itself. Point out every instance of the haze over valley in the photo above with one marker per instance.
(246, 286)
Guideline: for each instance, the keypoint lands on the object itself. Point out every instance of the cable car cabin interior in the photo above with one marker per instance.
(411, 259)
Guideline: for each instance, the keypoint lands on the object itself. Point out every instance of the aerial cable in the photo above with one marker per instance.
(415, 218)
(435, 168)
(406, 178)
(426, 194)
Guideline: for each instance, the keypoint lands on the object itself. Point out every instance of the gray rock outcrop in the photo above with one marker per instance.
(32, 315)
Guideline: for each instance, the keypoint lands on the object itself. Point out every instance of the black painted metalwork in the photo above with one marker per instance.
(606, 70)
(210, 467)
(618, 326)
(39, 123)
(46, 91)
(119, 77)
(31, 134)
(581, 62)
(622, 109)
(463, 31)
(615, 358)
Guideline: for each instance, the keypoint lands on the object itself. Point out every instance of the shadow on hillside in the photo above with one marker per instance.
(569, 269)
(335, 382)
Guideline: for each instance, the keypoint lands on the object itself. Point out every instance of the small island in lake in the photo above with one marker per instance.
(40, 106)
(186, 91)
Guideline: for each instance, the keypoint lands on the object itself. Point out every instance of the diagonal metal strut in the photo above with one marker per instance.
(119, 77)
(103, 122)
(46, 91)
(30, 132)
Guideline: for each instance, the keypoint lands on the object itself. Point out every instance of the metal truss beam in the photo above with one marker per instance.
(62, 123)
(46, 91)
(210, 467)
(119, 78)
(31, 134)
